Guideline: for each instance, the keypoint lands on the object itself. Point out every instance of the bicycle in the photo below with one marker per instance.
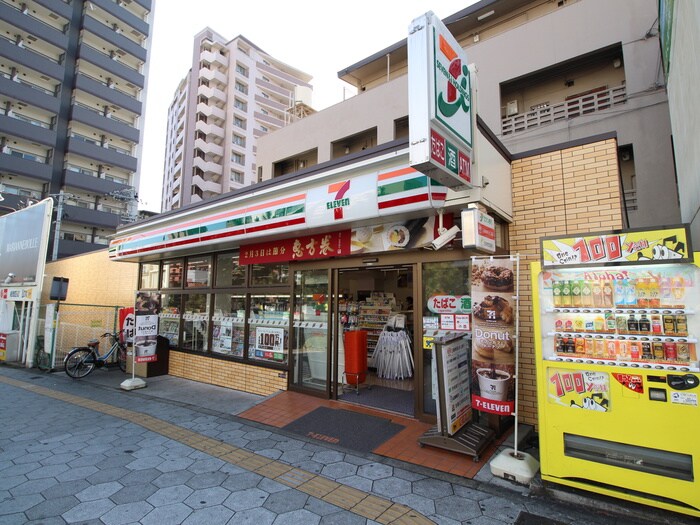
(81, 361)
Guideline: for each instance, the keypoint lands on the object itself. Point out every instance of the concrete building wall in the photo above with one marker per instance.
(684, 103)
(562, 192)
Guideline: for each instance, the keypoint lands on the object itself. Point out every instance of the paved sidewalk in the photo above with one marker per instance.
(175, 452)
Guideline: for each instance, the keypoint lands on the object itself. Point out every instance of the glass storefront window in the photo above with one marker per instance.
(198, 272)
(228, 325)
(195, 323)
(228, 271)
(439, 280)
(169, 326)
(310, 343)
(149, 276)
(172, 274)
(270, 274)
(268, 328)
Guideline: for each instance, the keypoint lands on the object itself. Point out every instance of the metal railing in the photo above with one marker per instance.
(576, 107)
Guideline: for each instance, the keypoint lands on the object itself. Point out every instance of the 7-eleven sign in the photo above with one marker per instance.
(338, 191)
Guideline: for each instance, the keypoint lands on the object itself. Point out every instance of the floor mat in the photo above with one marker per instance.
(360, 432)
(525, 518)
(400, 401)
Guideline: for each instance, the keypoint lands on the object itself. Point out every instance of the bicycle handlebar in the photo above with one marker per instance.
(115, 334)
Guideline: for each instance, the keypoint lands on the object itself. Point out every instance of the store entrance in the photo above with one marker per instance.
(375, 314)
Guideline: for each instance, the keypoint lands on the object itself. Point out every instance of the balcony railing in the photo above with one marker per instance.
(575, 107)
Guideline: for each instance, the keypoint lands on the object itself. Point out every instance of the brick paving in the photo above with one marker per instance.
(83, 452)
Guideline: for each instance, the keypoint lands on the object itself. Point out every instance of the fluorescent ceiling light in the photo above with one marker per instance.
(485, 15)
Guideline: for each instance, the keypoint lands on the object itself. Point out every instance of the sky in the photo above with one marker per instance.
(319, 37)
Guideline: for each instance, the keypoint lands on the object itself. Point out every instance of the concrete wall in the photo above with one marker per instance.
(559, 193)
(684, 103)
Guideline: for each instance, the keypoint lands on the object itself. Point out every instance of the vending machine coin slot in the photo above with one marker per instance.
(684, 382)
(657, 394)
(656, 379)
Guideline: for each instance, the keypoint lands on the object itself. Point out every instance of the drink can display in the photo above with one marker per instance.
(670, 351)
(599, 347)
(565, 294)
(635, 350)
(597, 294)
(681, 324)
(623, 350)
(646, 351)
(556, 294)
(656, 326)
(611, 348)
(683, 351)
(608, 301)
(621, 321)
(586, 294)
(589, 346)
(620, 292)
(580, 347)
(669, 324)
(658, 350)
(576, 293)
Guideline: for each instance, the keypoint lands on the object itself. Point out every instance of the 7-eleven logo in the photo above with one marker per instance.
(338, 190)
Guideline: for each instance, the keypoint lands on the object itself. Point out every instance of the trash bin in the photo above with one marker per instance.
(355, 356)
(160, 366)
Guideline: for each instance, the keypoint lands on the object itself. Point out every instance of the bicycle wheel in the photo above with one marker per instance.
(79, 363)
(121, 358)
(43, 360)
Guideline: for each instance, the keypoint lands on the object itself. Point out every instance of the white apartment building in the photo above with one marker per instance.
(233, 94)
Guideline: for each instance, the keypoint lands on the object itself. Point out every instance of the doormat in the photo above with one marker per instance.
(525, 518)
(392, 399)
(359, 432)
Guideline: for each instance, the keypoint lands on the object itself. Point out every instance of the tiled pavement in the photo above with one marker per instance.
(87, 452)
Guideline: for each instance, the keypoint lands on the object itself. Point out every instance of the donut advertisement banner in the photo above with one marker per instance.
(493, 345)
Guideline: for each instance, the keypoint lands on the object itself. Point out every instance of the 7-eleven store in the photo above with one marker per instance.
(258, 287)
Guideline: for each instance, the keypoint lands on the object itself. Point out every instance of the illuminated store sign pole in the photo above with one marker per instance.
(440, 104)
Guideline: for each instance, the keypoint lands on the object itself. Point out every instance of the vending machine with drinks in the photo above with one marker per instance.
(618, 376)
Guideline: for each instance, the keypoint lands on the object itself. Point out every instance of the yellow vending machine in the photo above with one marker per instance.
(616, 326)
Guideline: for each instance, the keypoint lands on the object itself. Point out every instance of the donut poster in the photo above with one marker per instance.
(493, 345)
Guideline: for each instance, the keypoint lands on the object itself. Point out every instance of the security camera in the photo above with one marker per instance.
(444, 238)
(9, 278)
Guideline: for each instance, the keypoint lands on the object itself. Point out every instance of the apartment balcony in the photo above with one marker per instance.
(87, 216)
(214, 58)
(102, 61)
(212, 131)
(13, 126)
(207, 186)
(210, 148)
(104, 123)
(92, 184)
(122, 14)
(119, 41)
(213, 75)
(576, 107)
(103, 155)
(212, 93)
(272, 104)
(269, 120)
(33, 26)
(25, 165)
(212, 112)
(31, 59)
(269, 86)
(208, 167)
(101, 90)
(68, 248)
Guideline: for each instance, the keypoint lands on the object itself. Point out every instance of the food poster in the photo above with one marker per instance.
(493, 345)
(583, 389)
(392, 236)
(145, 340)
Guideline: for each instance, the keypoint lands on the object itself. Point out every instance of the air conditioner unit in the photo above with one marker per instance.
(512, 108)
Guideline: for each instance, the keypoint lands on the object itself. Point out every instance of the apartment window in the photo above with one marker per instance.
(264, 111)
(239, 122)
(264, 128)
(241, 70)
(236, 177)
(238, 158)
(237, 103)
(118, 180)
(83, 171)
(242, 88)
(238, 140)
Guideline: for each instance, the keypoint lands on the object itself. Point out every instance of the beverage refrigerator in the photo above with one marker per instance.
(616, 324)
